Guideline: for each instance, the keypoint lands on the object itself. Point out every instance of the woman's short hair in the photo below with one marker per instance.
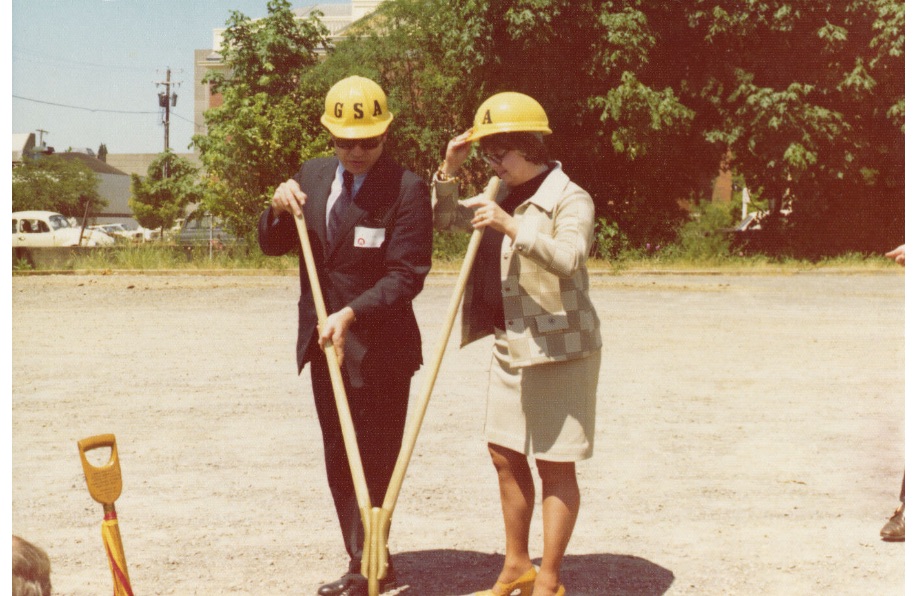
(529, 144)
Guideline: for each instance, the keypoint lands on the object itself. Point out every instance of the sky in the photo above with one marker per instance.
(99, 62)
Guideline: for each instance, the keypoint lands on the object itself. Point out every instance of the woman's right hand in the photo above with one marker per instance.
(288, 197)
(456, 153)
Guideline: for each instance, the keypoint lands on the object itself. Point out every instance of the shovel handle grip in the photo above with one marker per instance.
(104, 482)
(90, 443)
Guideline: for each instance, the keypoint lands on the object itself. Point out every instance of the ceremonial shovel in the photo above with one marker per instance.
(377, 520)
(104, 484)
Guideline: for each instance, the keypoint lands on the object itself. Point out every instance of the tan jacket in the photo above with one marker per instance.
(549, 316)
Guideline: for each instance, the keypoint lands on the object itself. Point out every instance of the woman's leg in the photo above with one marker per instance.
(516, 492)
(560, 509)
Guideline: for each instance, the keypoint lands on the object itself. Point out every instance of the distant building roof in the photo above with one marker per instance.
(337, 18)
(22, 143)
(329, 10)
(95, 164)
(138, 163)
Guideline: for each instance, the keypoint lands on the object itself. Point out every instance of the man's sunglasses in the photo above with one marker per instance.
(366, 144)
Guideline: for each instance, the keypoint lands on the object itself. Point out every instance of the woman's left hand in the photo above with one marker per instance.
(489, 214)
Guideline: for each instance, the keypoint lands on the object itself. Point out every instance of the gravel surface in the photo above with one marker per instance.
(750, 439)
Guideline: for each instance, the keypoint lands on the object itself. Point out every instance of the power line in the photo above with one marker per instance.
(63, 105)
(180, 117)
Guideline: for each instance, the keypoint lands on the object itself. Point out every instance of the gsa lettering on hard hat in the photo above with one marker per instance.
(509, 112)
(356, 108)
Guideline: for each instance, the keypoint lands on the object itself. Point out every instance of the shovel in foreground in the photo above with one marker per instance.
(104, 484)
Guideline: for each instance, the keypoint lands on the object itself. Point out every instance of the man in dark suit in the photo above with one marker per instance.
(369, 224)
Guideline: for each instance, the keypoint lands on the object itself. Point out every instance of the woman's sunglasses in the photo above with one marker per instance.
(366, 144)
(495, 158)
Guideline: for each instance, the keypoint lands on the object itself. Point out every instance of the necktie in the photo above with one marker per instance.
(340, 207)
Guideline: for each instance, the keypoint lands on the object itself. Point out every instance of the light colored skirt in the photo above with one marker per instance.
(546, 411)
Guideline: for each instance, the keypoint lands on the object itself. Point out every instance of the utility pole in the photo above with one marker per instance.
(167, 99)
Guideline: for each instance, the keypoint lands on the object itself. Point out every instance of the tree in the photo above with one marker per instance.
(812, 105)
(52, 183)
(266, 127)
(171, 184)
(438, 62)
(410, 49)
(646, 97)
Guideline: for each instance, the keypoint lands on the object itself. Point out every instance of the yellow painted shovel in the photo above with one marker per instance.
(104, 484)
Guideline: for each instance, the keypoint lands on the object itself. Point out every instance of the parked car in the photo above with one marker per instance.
(206, 230)
(114, 230)
(47, 228)
(117, 230)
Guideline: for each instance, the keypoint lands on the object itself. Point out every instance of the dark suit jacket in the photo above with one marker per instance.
(378, 283)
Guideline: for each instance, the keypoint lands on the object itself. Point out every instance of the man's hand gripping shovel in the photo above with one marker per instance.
(377, 520)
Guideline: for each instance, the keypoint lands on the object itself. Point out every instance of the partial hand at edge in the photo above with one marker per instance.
(898, 254)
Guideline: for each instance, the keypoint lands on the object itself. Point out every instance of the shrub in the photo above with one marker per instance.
(450, 246)
(610, 241)
(702, 237)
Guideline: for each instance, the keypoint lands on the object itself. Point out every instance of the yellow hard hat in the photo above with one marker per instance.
(509, 112)
(356, 108)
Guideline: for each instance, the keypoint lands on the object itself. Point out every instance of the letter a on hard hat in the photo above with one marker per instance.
(356, 108)
(509, 112)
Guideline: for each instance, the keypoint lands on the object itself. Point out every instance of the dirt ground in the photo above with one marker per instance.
(750, 439)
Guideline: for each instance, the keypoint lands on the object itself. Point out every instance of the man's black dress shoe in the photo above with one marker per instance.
(340, 586)
(895, 529)
(355, 584)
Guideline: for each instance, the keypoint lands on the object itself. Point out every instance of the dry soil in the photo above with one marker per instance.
(750, 439)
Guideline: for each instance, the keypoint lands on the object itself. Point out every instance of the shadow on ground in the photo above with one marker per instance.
(454, 572)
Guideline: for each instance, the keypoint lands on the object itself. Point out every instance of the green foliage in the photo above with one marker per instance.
(52, 183)
(160, 257)
(610, 241)
(421, 60)
(812, 108)
(450, 246)
(701, 238)
(266, 126)
(170, 185)
(645, 98)
(163, 257)
(22, 265)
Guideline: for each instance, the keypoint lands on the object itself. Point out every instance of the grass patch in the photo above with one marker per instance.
(157, 257)
(448, 256)
(743, 264)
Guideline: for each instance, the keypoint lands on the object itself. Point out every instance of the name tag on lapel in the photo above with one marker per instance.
(368, 237)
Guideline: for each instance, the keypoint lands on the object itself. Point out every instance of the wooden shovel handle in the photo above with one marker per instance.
(337, 383)
(413, 428)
